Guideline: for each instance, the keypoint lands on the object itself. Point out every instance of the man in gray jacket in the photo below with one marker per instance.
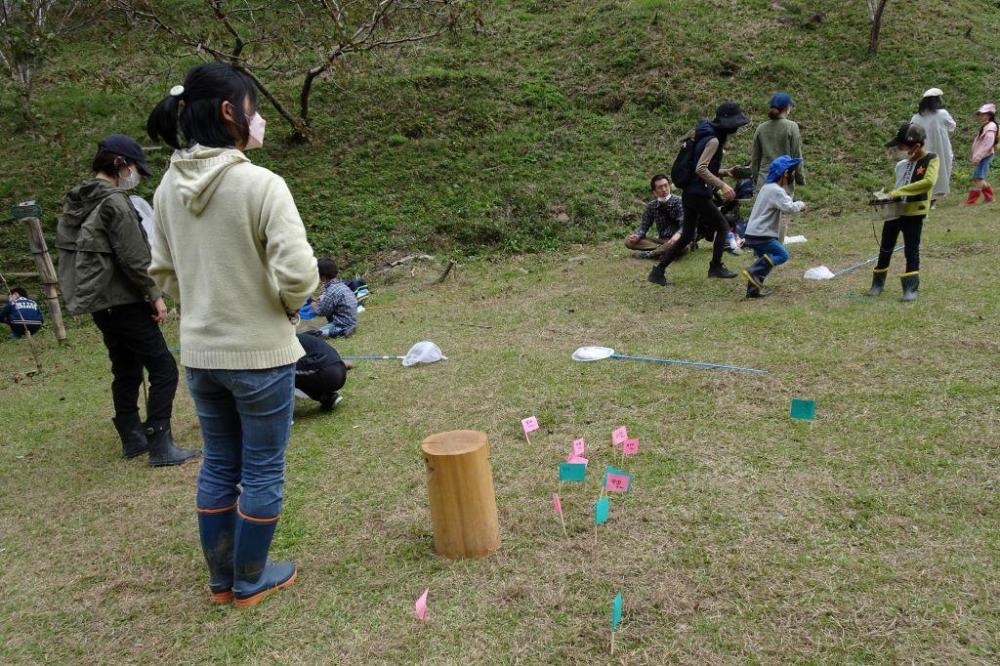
(103, 271)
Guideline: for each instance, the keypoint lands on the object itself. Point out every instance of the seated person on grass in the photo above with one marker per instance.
(321, 373)
(21, 313)
(667, 212)
(337, 303)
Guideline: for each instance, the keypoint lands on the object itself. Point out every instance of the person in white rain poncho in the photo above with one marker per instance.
(938, 124)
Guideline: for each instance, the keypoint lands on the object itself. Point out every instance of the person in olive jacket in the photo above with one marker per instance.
(103, 271)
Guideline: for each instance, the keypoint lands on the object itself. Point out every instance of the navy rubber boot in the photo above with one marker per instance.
(254, 577)
(217, 528)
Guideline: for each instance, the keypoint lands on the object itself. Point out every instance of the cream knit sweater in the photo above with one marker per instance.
(230, 245)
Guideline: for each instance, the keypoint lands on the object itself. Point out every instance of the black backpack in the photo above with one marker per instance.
(682, 172)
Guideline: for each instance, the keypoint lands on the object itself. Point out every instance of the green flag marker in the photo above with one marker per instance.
(803, 410)
(616, 612)
(572, 471)
(602, 508)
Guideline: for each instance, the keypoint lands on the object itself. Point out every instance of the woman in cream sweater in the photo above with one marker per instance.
(230, 246)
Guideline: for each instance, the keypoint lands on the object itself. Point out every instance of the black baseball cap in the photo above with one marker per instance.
(127, 147)
(908, 134)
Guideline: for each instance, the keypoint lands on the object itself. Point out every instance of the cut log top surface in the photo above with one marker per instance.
(454, 443)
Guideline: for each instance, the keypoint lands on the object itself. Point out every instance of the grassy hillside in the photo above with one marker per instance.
(543, 127)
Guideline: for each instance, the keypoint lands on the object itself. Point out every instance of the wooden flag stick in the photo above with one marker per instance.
(613, 642)
(563, 523)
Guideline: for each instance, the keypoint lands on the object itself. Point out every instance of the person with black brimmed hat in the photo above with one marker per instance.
(709, 140)
(104, 271)
(909, 204)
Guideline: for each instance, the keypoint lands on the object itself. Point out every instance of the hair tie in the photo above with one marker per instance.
(177, 91)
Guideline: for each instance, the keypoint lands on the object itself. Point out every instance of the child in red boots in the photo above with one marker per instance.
(983, 150)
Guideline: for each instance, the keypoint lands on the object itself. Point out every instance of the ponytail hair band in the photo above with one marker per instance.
(177, 91)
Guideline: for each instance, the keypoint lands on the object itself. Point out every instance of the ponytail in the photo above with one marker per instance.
(192, 112)
(774, 113)
(162, 122)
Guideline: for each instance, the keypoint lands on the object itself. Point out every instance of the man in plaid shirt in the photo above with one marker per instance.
(667, 212)
(337, 302)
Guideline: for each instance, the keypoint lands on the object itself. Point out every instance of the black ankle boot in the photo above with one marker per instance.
(719, 270)
(658, 276)
(162, 450)
(217, 529)
(911, 283)
(132, 434)
(878, 281)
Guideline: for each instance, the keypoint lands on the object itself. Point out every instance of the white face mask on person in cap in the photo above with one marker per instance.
(131, 180)
(255, 138)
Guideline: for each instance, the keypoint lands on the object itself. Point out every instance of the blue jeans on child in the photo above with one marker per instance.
(983, 168)
(246, 419)
(333, 330)
(769, 253)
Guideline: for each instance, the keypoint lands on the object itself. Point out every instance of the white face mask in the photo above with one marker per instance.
(131, 180)
(256, 134)
(663, 199)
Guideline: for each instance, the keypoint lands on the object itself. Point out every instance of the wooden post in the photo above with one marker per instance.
(462, 496)
(47, 273)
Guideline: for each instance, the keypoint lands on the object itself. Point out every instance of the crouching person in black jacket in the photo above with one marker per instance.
(320, 374)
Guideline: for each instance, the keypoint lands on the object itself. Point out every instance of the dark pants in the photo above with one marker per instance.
(911, 228)
(699, 209)
(322, 382)
(20, 330)
(134, 342)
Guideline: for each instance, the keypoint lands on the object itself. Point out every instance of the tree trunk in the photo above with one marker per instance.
(876, 26)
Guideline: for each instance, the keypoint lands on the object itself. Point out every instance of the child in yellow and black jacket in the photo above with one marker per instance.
(911, 201)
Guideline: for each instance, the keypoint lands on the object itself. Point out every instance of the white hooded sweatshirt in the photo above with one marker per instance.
(230, 245)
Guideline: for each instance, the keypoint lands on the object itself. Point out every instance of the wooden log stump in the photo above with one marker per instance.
(462, 496)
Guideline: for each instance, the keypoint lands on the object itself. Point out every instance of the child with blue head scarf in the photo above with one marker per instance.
(763, 228)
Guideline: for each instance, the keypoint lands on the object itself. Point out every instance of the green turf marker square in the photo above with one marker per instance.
(602, 509)
(572, 471)
(803, 410)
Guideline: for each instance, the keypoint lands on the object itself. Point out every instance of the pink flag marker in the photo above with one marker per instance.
(616, 483)
(574, 459)
(579, 446)
(529, 424)
(630, 447)
(619, 435)
(421, 605)
(557, 505)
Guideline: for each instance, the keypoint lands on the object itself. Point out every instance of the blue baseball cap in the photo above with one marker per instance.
(780, 165)
(781, 100)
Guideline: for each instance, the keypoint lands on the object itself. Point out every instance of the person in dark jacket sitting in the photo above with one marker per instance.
(320, 374)
(103, 271)
(710, 138)
(21, 313)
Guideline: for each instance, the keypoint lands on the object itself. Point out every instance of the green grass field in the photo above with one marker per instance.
(868, 536)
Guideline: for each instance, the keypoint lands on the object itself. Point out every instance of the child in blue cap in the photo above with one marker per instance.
(763, 228)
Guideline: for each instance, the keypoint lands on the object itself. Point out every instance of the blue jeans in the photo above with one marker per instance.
(246, 418)
(332, 330)
(983, 168)
(769, 253)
